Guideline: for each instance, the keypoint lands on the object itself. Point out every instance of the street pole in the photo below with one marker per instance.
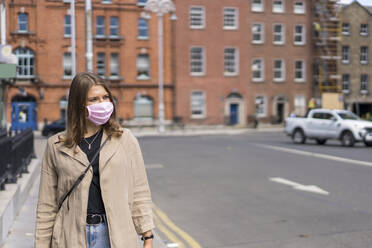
(3, 21)
(160, 7)
(89, 36)
(73, 38)
(3, 83)
(160, 76)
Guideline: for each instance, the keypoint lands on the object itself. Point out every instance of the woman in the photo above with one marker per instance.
(112, 202)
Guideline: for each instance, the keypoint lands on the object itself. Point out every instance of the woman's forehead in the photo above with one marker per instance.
(96, 89)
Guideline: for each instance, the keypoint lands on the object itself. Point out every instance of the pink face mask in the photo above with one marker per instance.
(100, 113)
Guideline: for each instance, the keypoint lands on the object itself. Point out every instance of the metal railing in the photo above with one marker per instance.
(16, 152)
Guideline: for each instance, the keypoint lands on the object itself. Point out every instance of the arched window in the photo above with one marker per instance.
(26, 62)
(143, 28)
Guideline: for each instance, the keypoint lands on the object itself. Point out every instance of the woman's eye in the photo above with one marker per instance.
(106, 97)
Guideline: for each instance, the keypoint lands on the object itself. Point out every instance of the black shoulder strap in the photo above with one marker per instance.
(80, 178)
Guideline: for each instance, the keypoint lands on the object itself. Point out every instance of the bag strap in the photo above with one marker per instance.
(80, 178)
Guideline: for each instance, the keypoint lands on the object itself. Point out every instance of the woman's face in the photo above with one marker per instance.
(97, 94)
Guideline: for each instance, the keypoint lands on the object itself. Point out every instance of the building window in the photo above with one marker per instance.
(278, 6)
(299, 35)
(231, 61)
(197, 17)
(143, 67)
(260, 103)
(114, 26)
(67, 64)
(101, 64)
(26, 63)
(100, 26)
(257, 70)
(299, 7)
(67, 25)
(22, 22)
(278, 36)
(364, 55)
(114, 65)
(364, 84)
(257, 33)
(143, 29)
(346, 83)
(345, 54)
(300, 71)
(197, 60)
(230, 18)
(300, 105)
(364, 29)
(345, 28)
(106, 1)
(257, 6)
(279, 70)
(198, 104)
(141, 2)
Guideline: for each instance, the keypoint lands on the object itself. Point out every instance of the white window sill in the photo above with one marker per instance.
(67, 36)
(299, 44)
(278, 43)
(299, 12)
(364, 62)
(142, 78)
(346, 34)
(261, 80)
(115, 78)
(197, 74)
(364, 35)
(364, 92)
(345, 62)
(257, 42)
(300, 80)
(67, 77)
(278, 11)
(143, 38)
(346, 92)
(282, 80)
(230, 28)
(257, 9)
(197, 27)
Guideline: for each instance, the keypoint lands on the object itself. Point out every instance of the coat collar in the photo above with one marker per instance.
(106, 153)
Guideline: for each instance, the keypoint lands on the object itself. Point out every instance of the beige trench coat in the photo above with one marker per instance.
(124, 186)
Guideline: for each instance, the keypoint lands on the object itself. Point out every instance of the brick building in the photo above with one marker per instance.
(237, 58)
(124, 53)
(354, 66)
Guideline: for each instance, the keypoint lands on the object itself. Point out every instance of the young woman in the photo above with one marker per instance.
(112, 203)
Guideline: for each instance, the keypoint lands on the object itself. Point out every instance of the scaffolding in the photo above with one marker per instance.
(326, 37)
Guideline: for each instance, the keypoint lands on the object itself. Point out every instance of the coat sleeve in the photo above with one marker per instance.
(47, 206)
(142, 203)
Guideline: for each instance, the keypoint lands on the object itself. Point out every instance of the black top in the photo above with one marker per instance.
(95, 202)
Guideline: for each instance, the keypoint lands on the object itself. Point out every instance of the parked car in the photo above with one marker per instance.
(324, 124)
(54, 127)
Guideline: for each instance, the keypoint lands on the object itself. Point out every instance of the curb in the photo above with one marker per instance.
(13, 198)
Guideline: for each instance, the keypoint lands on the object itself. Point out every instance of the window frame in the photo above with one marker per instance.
(100, 26)
(278, 11)
(262, 33)
(101, 65)
(365, 32)
(303, 35)
(282, 70)
(345, 31)
(28, 64)
(142, 28)
(147, 70)
(348, 60)
(303, 78)
(264, 105)
(364, 58)
(67, 66)
(282, 34)
(262, 70)
(296, 10)
(344, 82)
(202, 108)
(22, 22)
(67, 26)
(202, 14)
(235, 62)
(117, 75)
(364, 84)
(258, 7)
(114, 27)
(235, 19)
(203, 61)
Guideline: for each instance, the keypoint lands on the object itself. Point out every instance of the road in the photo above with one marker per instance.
(223, 191)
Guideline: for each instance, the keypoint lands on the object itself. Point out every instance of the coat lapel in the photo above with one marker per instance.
(79, 156)
(108, 150)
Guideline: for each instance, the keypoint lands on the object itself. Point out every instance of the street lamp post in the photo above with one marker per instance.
(160, 8)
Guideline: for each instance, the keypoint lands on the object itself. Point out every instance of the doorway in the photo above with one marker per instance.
(234, 114)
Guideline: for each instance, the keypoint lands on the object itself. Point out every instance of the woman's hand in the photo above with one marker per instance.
(147, 243)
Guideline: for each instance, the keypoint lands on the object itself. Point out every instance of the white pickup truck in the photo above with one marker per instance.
(324, 124)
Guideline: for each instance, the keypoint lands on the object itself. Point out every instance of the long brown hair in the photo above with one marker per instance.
(76, 109)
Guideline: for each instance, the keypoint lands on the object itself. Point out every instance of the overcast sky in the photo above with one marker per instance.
(364, 2)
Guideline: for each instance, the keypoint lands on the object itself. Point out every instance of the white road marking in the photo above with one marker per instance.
(298, 186)
(318, 155)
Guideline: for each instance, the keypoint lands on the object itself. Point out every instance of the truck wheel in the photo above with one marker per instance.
(321, 141)
(347, 139)
(298, 136)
